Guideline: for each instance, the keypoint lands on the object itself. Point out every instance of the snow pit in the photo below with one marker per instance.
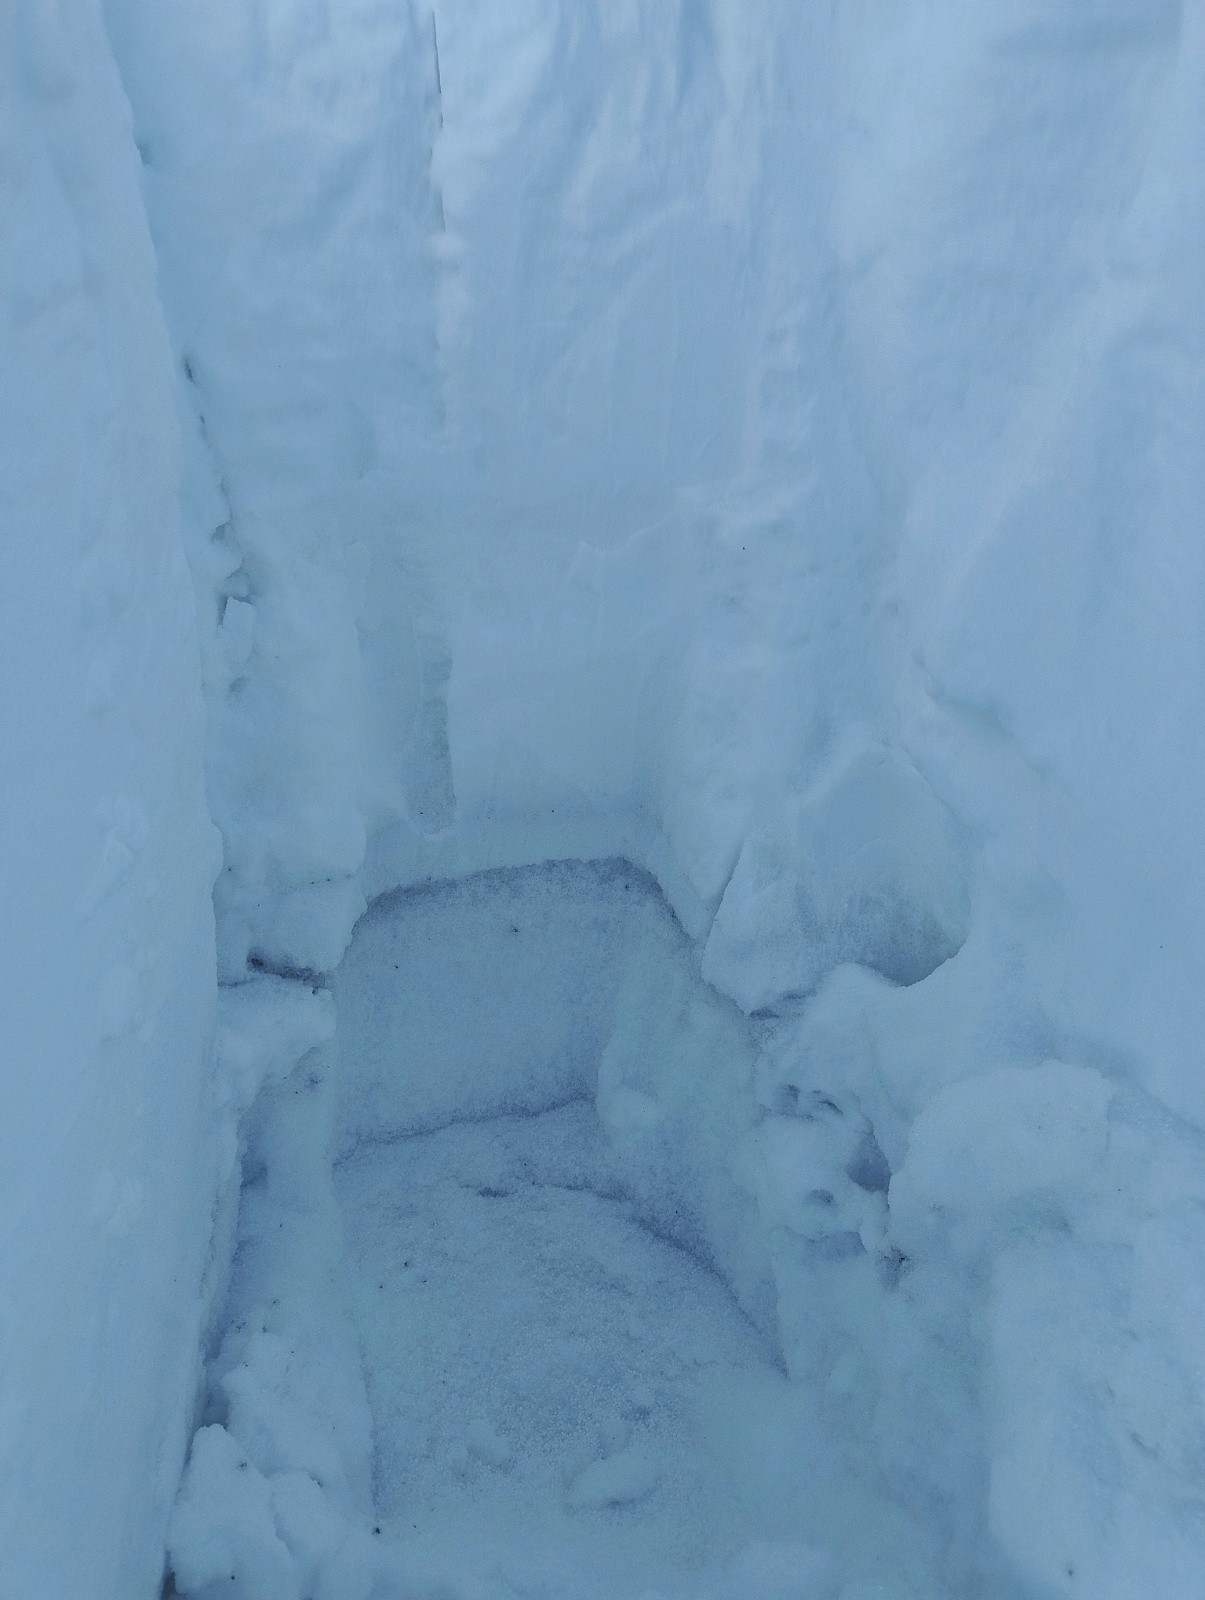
(756, 440)
(549, 1376)
(515, 1246)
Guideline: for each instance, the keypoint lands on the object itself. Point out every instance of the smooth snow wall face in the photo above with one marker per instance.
(107, 1156)
(494, 994)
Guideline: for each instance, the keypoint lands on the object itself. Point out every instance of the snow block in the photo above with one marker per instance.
(309, 929)
(265, 1027)
(866, 868)
(223, 1536)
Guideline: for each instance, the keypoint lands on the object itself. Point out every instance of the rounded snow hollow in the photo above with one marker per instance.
(563, 1393)
(543, 1285)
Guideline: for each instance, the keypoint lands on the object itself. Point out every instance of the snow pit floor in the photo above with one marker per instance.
(553, 1387)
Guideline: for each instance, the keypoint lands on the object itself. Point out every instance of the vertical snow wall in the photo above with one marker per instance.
(107, 1162)
(708, 432)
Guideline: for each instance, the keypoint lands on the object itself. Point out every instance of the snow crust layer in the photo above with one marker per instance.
(760, 441)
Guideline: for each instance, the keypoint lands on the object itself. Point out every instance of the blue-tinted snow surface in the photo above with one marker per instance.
(548, 1379)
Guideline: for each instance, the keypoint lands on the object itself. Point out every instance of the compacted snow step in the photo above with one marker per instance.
(549, 1381)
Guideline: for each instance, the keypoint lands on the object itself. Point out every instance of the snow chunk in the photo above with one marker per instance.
(864, 868)
(265, 1026)
(803, 1171)
(223, 1533)
(310, 928)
